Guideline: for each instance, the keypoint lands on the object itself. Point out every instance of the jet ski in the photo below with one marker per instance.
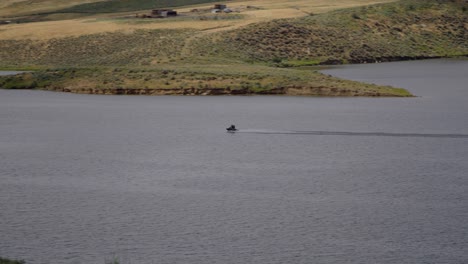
(232, 129)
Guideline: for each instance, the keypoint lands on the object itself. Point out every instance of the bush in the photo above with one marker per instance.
(19, 84)
(356, 16)
(11, 261)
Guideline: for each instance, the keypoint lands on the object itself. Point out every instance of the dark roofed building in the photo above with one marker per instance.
(220, 6)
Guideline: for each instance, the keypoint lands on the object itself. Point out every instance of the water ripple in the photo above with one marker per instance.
(348, 133)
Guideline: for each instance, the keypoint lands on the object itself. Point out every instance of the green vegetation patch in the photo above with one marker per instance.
(194, 80)
(11, 261)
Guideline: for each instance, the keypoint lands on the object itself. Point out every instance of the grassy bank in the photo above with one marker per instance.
(194, 80)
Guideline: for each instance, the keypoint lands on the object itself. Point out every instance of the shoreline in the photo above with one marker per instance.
(282, 91)
(190, 81)
(291, 90)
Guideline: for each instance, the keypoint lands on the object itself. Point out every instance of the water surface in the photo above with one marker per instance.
(84, 178)
(4, 73)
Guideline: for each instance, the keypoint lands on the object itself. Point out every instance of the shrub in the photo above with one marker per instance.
(11, 261)
(356, 16)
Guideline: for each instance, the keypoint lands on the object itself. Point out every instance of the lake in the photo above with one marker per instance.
(4, 73)
(89, 178)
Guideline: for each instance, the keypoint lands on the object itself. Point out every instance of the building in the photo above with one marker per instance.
(220, 6)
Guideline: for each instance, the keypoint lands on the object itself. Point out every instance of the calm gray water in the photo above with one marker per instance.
(3, 73)
(86, 178)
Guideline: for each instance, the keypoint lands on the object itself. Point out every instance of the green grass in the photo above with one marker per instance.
(21, 68)
(299, 63)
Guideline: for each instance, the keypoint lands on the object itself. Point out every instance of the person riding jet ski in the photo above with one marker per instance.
(231, 128)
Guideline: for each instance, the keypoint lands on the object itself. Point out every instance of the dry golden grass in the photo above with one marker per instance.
(73, 28)
(310, 5)
(267, 10)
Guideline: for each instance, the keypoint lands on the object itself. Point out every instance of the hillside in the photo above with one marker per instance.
(128, 55)
(398, 31)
